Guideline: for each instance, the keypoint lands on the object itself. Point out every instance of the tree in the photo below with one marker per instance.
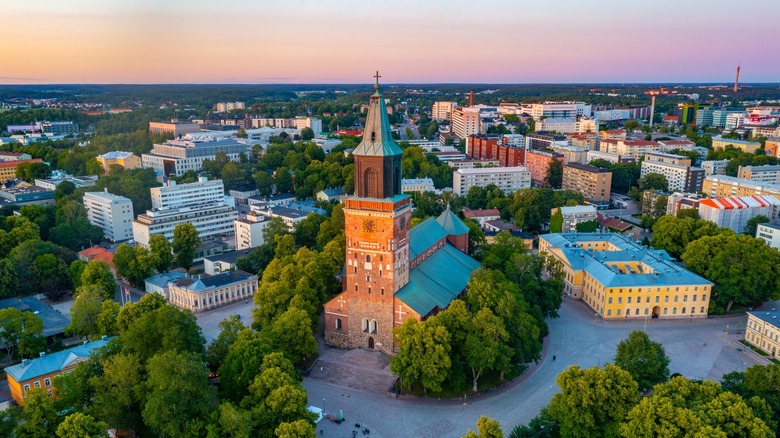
(556, 221)
(752, 224)
(630, 125)
(684, 408)
(296, 429)
(688, 213)
(171, 328)
(743, 268)
(476, 198)
(49, 274)
(63, 190)
(216, 352)
(40, 417)
(8, 279)
(20, 329)
(74, 272)
(292, 334)
(283, 180)
(307, 134)
(476, 237)
(486, 428)
(653, 181)
(486, 346)
(97, 273)
(593, 402)
(134, 264)
(644, 359)
(179, 390)
(185, 242)
(554, 176)
(242, 364)
(80, 425)
(423, 354)
(119, 392)
(587, 226)
(106, 321)
(162, 252)
(265, 182)
(86, 311)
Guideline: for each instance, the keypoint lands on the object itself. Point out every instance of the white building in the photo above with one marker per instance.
(249, 231)
(313, 123)
(327, 144)
(735, 212)
(567, 125)
(180, 195)
(159, 283)
(417, 185)
(508, 179)
(567, 110)
(612, 158)
(466, 122)
(442, 110)
(575, 215)
(677, 170)
(223, 107)
(212, 221)
(770, 233)
(175, 157)
(112, 213)
(761, 174)
(630, 148)
(734, 121)
(713, 167)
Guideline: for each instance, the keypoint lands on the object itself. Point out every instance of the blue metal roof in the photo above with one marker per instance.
(438, 280)
(451, 223)
(424, 236)
(53, 362)
(162, 280)
(770, 317)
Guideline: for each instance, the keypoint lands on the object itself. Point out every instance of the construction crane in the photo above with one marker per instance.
(654, 93)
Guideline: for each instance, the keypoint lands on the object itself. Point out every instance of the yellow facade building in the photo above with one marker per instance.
(119, 158)
(620, 279)
(763, 331)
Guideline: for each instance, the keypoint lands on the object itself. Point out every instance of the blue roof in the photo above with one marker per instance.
(438, 280)
(424, 236)
(772, 317)
(54, 322)
(51, 363)
(162, 280)
(451, 223)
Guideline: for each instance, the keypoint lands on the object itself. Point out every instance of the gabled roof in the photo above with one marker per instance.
(53, 362)
(219, 280)
(438, 280)
(424, 236)
(452, 224)
(377, 138)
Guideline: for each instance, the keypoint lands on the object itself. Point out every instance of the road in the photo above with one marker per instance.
(699, 349)
(407, 124)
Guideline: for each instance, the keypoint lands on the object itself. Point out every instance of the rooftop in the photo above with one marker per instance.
(489, 212)
(771, 317)
(162, 280)
(54, 322)
(578, 209)
(740, 202)
(115, 155)
(490, 170)
(227, 257)
(219, 280)
(735, 141)
(51, 363)
(587, 168)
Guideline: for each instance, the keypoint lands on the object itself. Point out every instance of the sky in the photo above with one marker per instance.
(408, 41)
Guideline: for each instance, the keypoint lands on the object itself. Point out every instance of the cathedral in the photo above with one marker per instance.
(392, 272)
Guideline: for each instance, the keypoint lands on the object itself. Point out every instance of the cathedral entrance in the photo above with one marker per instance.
(370, 343)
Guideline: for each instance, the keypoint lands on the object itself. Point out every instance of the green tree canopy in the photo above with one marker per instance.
(22, 330)
(185, 242)
(79, 425)
(644, 359)
(162, 252)
(97, 273)
(423, 354)
(85, 312)
(486, 428)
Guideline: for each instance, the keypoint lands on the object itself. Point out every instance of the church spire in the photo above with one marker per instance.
(377, 135)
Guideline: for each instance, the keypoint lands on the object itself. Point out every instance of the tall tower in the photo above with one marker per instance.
(376, 221)
(736, 80)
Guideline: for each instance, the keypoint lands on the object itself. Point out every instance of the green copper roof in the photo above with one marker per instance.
(377, 137)
(452, 223)
(424, 236)
(438, 280)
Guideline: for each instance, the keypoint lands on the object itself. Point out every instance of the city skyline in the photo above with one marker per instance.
(345, 41)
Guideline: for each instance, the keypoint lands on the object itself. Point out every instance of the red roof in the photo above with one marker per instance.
(346, 132)
(98, 253)
(14, 163)
(640, 143)
(93, 113)
(481, 213)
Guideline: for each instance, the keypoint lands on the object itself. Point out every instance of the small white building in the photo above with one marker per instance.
(417, 185)
(770, 233)
(572, 216)
(112, 213)
(330, 195)
(482, 216)
(224, 262)
(249, 231)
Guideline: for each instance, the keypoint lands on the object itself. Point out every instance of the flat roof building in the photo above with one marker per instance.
(763, 331)
(677, 169)
(507, 179)
(572, 216)
(722, 186)
(770, 233)
(735, 212)
(750, 147)
(176, 129)
(175, 157)
(760, 174)
(112, 213)
(595, 183)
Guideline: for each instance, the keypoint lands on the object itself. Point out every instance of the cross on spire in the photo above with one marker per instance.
(376, 86)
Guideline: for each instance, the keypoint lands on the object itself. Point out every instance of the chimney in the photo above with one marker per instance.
(471, 98)
(42, 353)
(103, 338)
(25, 362)
(105, 190)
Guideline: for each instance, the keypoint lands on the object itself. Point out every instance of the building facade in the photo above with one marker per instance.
(722, 186)
(595, 183)
(249, 231)
(508, 179)
(677, 170)
(620, 279)
(175, 129)
(443, 110)
(763, 331)
(8, 168)
(112, 213)
(197, 294)
(175, 157)
(466, 122)
(572, 216)
(735, 212)
(180, 195)
(119, 158)
(770, 233)
(417, 185)
(750, 147)
(538, 163)
(760, 174)
(714, 167)
(212, 221)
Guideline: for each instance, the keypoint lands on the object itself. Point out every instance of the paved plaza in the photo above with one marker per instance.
(699, 349)
(210, 319)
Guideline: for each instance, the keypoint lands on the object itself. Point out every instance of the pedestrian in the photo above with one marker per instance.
(553, 358)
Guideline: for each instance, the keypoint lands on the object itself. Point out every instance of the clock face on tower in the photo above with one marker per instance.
(369, 226)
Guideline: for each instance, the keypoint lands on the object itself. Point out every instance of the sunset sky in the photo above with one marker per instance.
(409, 41)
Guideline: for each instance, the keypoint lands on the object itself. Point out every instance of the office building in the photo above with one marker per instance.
(770, 233)
(763, 331)
(417, 185)
(735, 212)
(573, 216)
(720, 116)
(112, 213)
(40, 372)
(538, 163)
(249, 231)
(180, 195)
(175, 157)
(677, 169)
(118, 158)
(713, 167)
(27, 194)
(466, 122)
(620, 279)
(508, 179)
(760, 174)
(8, 168)
(212, 221)
(750, 147)
(174, 129)
(722, 186)
(595, 183)
(198, 294)
(443, 110)
(556, 110)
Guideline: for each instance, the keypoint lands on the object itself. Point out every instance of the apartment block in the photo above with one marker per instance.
(443, 110)
(714, 167)
(508, 179)
(760, 174)
(677, 170)
(175, 129)
(763, 331)
(770, 233)
(175, 157)
(223, 107)
(621, 280)
(466, 122)
(750, 147)
(722, 186)
(735, 212)
(587, 141)
(595, 183)
(538, 162)
(630, 148)
(180, 195)
(112, 213)
(575, 215)
(249, 231)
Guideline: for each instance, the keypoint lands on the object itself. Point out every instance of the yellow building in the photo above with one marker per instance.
(763, 331)
(750, 147)
(41, 371)
(722, 186)
(8, 168)
(618, 278)
(124, 159)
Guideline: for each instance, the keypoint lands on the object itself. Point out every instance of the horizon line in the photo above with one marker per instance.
(725, 84)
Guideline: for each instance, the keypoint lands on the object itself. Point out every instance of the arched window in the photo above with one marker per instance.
(368, 258)
(637, 312)
(683, 310)
(674, 311)
(371, 183)
(372, 326)
(365, 325)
